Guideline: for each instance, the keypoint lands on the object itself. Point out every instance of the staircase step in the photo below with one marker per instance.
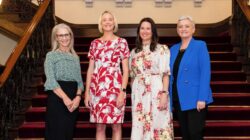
(11, 27)
(176, 138)
(230, 86)
(232, 99)
(12, 17)
(223, 56)
(220, 47)
(213, 128)
(226, 66)
(228, 76)
(36, 114)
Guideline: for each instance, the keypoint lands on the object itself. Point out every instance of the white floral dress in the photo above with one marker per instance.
(147, 69)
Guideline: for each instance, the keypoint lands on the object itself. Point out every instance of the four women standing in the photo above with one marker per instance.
(150, 67)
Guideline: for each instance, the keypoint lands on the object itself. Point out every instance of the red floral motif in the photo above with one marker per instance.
(147, 69)
(139, 107)
(106, 79)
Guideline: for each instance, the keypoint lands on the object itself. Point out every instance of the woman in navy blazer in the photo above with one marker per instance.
(190, 90)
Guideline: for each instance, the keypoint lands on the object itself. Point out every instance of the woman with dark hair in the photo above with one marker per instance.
(149, 72)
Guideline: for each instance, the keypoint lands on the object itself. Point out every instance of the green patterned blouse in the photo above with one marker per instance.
(61, 66)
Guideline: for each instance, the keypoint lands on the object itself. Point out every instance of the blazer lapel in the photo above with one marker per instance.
(186, 57)
(174, 54)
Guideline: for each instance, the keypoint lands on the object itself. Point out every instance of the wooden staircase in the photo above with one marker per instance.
(12, 25)
(31, 28)
(228, 117)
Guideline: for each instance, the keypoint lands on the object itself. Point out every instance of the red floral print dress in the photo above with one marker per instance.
(147, 69)
(106, 80)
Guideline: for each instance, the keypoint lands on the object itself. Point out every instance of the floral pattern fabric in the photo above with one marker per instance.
(147, 69)
(106, 80)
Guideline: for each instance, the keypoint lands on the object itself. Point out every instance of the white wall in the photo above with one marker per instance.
(6, 47)
(75, 11)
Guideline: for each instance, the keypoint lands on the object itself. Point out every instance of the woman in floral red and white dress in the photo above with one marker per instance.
(106, 85)
(149, 71)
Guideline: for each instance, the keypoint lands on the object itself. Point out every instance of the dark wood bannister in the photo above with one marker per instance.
(16, 81)
(241, 32)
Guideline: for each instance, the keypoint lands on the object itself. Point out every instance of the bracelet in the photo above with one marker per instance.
(164, 91)
(80, 95)
(123, 89)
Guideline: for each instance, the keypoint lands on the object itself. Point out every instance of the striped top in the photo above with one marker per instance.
(61, 66)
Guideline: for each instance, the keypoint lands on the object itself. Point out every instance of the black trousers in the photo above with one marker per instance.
(60, 122)
(192, 122)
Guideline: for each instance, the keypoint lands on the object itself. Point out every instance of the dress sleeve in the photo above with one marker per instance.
(131, 72)
(79, 75)
(124, 49)
(164, 65)
(91, 54)
(49, 68)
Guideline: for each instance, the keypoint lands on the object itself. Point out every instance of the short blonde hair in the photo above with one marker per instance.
(187, 18)
(54, 43)
(100, 22)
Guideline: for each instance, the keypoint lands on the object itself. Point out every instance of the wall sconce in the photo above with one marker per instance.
(163, 3)
(123, 3)
(119, 3)
(89, 3)
(0, 2)
(248, 3)
(128, 3)
(198, 3)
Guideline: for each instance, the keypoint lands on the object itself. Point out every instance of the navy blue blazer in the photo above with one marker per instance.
(193, 83)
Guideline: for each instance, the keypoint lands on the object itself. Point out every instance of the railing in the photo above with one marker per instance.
(241, 33)
(23, 63)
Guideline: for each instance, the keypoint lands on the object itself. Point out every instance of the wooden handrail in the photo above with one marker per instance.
(23, 41)
(245, 8)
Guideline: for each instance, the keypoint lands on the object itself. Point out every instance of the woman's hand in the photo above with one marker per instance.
(163, 101)
(87, 100)
(120, 99)
(67, 102)
(76, 103)
(200, 105)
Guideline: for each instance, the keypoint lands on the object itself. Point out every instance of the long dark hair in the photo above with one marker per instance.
(154, 39)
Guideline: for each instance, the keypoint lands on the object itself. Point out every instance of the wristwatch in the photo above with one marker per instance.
(123, 89)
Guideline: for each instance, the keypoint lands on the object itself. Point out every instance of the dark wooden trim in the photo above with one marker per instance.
(9, 34)
(22, 43)
(1, 68)
(129, 30)
(245, 8)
